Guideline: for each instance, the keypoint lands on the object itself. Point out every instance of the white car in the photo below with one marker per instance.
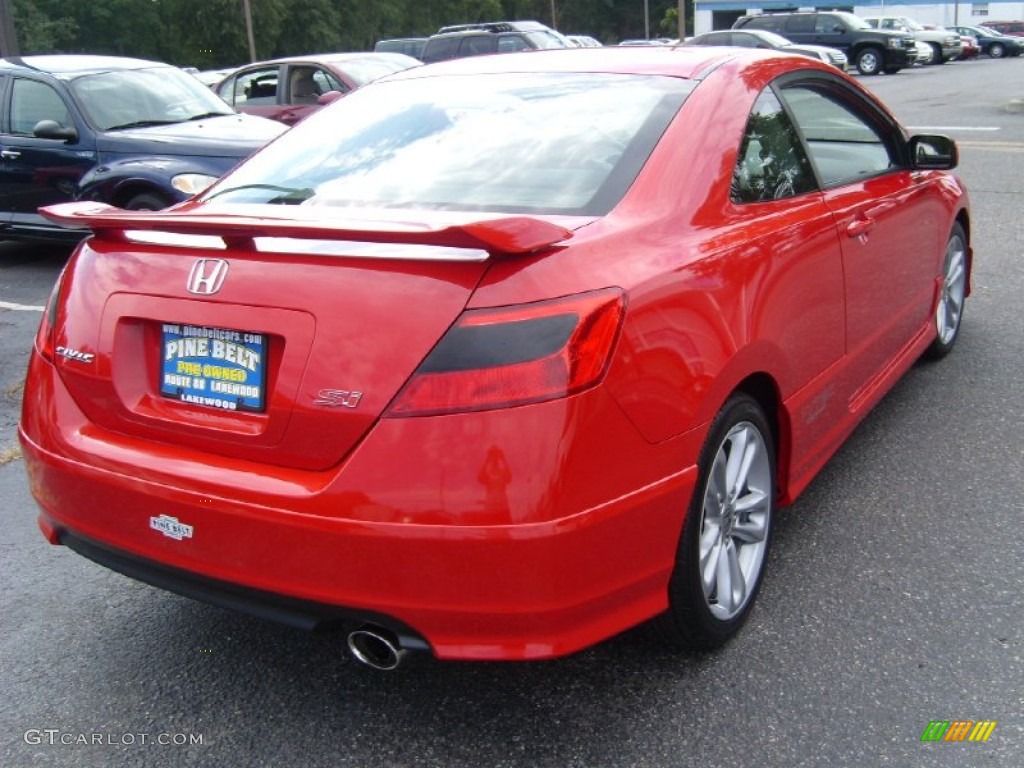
(760, 38)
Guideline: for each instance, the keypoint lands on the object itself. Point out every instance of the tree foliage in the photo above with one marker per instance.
(211, 33)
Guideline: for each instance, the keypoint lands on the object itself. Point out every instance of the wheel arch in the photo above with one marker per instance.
(964, 220)
(763, 388)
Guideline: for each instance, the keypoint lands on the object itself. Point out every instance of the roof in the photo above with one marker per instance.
(77, 64)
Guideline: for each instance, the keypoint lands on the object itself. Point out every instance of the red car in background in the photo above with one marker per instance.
(498, 357)
(288, 89)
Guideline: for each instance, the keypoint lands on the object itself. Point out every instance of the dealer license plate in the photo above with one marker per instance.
(213, 367)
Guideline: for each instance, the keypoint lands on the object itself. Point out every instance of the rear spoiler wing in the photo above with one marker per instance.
(504, 234)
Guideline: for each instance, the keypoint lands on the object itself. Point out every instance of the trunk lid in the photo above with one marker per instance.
(279, 341)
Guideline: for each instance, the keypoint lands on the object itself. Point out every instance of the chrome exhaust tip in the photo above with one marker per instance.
(376, 648)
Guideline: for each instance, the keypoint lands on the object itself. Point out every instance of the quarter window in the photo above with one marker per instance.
(772, 164)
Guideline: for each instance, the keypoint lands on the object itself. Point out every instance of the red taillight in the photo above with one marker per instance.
(496, 358)
(44, 336)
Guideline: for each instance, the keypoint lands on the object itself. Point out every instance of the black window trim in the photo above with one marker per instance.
(893, 135)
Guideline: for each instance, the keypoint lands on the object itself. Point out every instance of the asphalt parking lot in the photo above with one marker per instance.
(893, 595)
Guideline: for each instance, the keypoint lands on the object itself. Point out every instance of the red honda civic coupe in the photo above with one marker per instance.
(498, 357)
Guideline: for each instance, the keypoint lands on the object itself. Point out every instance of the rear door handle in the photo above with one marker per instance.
(10, 154)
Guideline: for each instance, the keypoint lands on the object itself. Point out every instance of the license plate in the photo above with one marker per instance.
(213, 367)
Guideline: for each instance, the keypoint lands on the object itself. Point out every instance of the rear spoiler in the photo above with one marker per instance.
(507, 234)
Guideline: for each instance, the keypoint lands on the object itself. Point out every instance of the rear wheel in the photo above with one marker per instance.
(724, 545)
(869, 61)
(949, 311)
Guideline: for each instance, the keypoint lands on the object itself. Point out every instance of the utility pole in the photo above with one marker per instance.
(247, 10)
(8, 37)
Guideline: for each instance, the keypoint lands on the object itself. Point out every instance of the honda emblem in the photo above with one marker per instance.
(207, 276)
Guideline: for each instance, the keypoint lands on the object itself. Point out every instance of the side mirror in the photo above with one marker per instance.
(51, 129)
(933, 153)
(327, 98)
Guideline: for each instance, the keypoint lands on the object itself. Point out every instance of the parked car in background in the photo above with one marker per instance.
(760, 38)
(461, 40)
(970, 46)
(1011, 28)
(945, 45)
(410, 46)
(992, 42)
(288, 89)
(496, 358)
(131, 133)
(871, 51)
(922, 53)
(584, 41)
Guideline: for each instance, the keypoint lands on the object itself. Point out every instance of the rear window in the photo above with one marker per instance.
(555, 143)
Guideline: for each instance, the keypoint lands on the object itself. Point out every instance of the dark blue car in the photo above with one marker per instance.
(131, 133)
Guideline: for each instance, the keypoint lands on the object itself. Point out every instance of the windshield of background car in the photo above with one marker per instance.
(529, 143)
(543, 39)
(135, 98)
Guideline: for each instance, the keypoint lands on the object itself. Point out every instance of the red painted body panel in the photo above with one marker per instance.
(512, 533)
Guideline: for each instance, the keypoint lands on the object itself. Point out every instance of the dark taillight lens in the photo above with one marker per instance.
(44, 336)
(496, 358)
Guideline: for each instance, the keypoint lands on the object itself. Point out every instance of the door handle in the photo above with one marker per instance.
(10, 154)
(860, 226)
(864, 220)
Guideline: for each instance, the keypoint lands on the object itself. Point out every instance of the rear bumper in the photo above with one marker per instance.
(540, 588)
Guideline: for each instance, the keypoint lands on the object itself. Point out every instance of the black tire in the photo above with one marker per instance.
(997, 50)
(732, 522)
(892, 70)
(937, 54)
(146, 201)
(869, 61)
(949, 310)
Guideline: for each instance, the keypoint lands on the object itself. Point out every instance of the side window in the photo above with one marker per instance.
(32, 101)
(844, 142)
(477, 45)
(258, 86)
(745, 41)
(325, 82)
(764, 21)
(802, 24)
(509, 43)
(771, 164)
(440, 48)
(828, 25)
(302, 87)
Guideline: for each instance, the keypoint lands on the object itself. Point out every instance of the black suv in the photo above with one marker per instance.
(463, 40)
(870, 50)
(131, 133)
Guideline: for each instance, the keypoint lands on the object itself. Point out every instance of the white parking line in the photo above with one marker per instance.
(21, 307)
(980, 128)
